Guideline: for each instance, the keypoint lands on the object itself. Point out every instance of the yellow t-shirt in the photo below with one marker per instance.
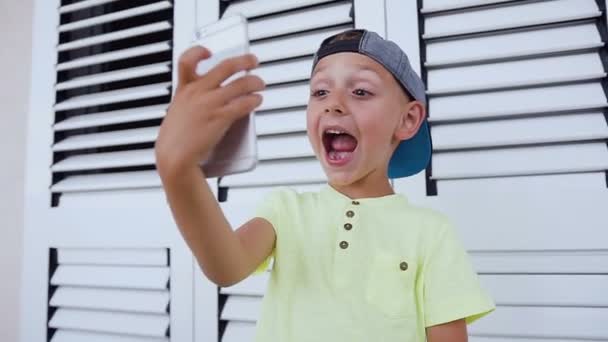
(371, 269)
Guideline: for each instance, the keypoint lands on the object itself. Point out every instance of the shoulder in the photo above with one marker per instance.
(289, 197)
(283, 192)
(430, 221)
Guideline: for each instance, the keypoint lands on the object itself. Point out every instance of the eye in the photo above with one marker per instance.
(318, 93)
(361, 92)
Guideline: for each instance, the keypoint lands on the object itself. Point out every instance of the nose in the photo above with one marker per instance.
(335, 106)
(334, 109)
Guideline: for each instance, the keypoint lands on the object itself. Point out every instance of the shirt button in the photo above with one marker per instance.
(350, 213)
(344, 245)
(348, 226)
(355, 202)
(403, 266)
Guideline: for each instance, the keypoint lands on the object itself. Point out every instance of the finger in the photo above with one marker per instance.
(227, 68)
(187, 64)
(241, 106)
(239, 87)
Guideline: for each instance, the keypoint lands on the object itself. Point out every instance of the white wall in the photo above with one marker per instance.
(15, 57)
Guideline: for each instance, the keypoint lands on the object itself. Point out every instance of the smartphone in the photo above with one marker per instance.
(237, 150)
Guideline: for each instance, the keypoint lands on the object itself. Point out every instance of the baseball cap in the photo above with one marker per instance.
(412, 155)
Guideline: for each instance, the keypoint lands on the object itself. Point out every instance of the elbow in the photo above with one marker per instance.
(223, 280)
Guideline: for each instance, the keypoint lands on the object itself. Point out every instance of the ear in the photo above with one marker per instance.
(410, 120)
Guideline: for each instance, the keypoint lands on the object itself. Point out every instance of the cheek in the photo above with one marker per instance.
(312, 125)
(377, 130)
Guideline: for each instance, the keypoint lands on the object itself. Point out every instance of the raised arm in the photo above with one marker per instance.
(199, 115)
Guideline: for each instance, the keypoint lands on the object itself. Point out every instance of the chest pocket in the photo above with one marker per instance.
(390, 287)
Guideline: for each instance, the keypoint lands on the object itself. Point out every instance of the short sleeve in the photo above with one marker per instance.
(270, 210)
(452, 289)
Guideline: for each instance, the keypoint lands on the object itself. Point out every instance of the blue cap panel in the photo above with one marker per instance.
(412, 155)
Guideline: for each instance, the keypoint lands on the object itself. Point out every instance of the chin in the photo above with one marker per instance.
(341, 178)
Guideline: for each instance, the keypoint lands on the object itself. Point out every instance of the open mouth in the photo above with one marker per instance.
(339, 145)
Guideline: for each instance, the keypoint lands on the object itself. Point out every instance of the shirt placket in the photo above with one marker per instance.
(346, 243)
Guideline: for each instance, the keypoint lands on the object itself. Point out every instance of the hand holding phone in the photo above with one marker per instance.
(237, 151)
(203, 110)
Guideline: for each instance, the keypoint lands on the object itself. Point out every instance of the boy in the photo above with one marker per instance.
(355, 261)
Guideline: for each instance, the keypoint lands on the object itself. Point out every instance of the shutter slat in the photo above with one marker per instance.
(108, 181)
(111, 322)
(541, 262)
(114, 138)
(531, 53)
(518, 84)
(131, 12)
(545, 322)
(155, 278)
(513, 44)
(292, 46)
(285, 96)
(105, 160)
(254, 8)
(238, 331)
(283, 121)
(551, 159)
(284, 146)
(523, 14)
(286, 71)
(316, 17)
(64, 335)
(242, 308)
(117, 75)
(111, 299)
(518, 102)
(547, 290)
(252, 286)
(432, 6)
(117, 35)
(515, 73)
(279, 172)
(115, 55)
(112, 117)
(82, 4)
(578, 127)
(113, 256)
(114, 96)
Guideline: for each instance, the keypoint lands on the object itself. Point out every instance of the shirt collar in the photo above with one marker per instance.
(333, 194)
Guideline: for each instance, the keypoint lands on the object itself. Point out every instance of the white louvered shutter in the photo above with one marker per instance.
(284, 36)
(284, 43)
(102, 295)
(98, 231)
(525, 98)
(517, 103)
(113, 88)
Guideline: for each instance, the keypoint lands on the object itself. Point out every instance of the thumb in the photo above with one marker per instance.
(187, 64)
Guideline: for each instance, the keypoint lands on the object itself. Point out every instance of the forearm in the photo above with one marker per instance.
(203, 225)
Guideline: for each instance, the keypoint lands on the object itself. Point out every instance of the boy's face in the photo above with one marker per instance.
(353, 93)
